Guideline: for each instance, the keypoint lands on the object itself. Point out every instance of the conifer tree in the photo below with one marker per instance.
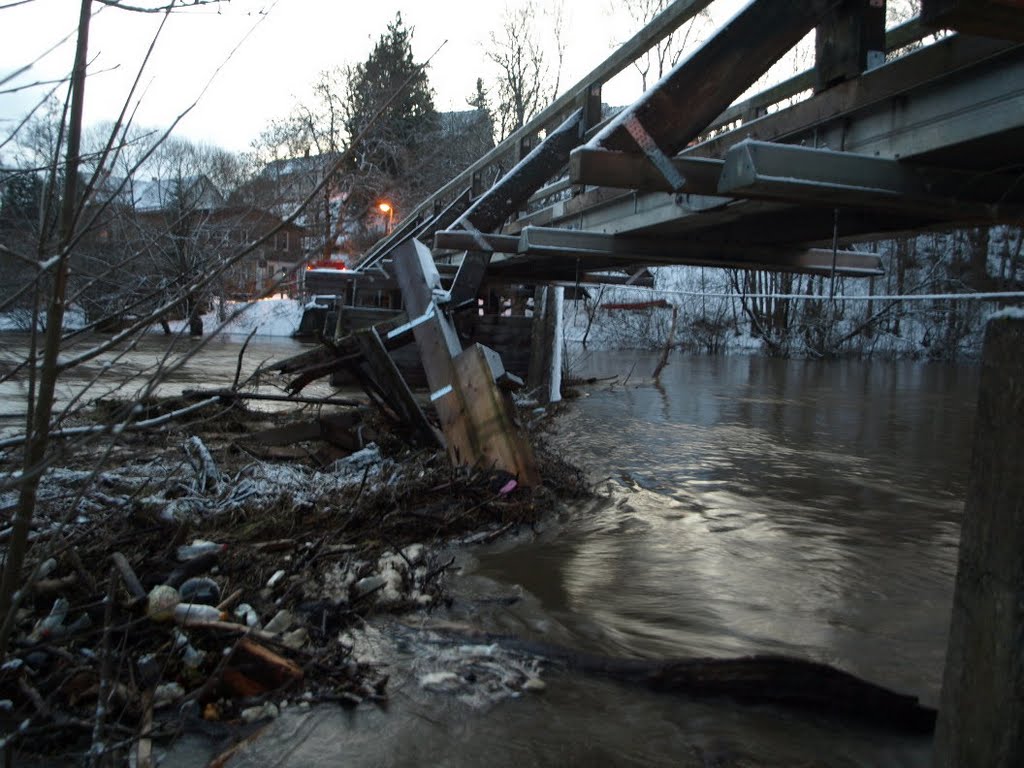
(390, 159)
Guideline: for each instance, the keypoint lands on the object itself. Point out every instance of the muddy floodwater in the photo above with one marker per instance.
(744, 505)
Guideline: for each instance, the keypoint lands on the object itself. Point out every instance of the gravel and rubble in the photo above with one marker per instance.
(190, 576)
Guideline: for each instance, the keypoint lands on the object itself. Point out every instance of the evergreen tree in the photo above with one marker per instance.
(390, 158)
(21, 196)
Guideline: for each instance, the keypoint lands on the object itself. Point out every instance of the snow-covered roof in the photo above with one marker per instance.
(161, 194)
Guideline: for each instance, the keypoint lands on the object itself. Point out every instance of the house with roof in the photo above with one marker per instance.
(174, 230)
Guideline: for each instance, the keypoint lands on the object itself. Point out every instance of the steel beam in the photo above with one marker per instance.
(592, 250)
(823, 177)
(985, 73)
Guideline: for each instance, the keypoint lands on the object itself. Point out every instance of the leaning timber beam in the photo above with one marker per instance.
(445, 217)
(681, 105)
(474, 413)
(506, 196)
(491, 209)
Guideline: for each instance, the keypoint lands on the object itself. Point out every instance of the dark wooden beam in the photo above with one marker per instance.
(629, 170)
(461, 240)
(989, 18)
(488, 212)
(675, 111)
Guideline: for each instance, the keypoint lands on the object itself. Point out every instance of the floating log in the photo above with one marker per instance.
(762, 679)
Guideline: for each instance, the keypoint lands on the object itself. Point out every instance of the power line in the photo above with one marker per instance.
(979, 296)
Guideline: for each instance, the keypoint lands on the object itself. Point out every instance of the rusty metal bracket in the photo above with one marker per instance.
(654, 154)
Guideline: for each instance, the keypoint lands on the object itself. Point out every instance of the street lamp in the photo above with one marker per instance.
(386, 208)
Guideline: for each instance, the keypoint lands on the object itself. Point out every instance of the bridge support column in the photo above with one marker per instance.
(545, 374)
(981, 719)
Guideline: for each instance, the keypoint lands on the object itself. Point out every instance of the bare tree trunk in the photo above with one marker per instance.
(38, 441)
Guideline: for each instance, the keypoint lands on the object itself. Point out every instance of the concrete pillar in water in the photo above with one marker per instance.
(545, 374)
(981, 718)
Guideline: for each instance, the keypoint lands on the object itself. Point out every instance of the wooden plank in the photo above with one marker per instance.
(390, 381)
(474, 414)
(545, 374)
(494, 439)
(675, 110)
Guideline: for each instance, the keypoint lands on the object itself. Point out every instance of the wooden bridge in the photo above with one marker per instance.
(891, 131)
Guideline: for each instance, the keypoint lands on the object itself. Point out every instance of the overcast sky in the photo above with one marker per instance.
(281, 47)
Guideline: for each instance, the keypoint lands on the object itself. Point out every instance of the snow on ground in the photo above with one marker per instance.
(21, 319)
(276, 316)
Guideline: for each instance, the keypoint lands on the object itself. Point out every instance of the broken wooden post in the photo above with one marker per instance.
(475, 414)
(391, 383)
(981, 719)
(545, 374)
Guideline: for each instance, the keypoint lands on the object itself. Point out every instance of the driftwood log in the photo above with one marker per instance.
(762, 679)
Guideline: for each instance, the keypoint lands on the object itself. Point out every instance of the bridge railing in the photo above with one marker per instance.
(586, 93)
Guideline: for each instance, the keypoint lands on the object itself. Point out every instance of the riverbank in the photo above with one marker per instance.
(203, 575)
(273, 316)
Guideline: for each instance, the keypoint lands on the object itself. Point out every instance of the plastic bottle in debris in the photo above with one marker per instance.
(197, 548)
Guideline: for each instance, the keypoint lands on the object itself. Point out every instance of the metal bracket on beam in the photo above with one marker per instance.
(654, 154)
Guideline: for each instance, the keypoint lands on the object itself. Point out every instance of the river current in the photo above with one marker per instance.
(745, 505)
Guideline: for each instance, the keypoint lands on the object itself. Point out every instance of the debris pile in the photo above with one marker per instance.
(191, 579)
